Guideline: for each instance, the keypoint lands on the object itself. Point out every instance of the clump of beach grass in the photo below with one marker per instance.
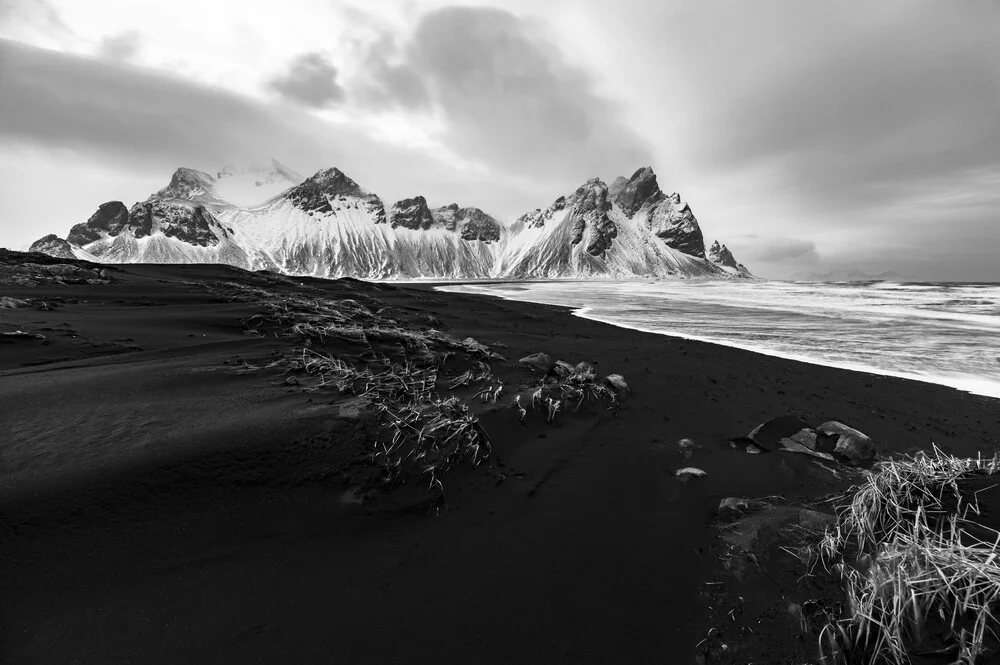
(420, 432)
(920, 574)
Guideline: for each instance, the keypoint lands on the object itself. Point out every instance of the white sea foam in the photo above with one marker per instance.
(945, 333)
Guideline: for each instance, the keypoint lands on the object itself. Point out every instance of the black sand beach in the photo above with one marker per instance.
(162, 500)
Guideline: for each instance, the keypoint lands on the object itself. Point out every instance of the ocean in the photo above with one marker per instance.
(946, 333)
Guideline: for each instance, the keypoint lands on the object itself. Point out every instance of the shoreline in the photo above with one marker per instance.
(967, 386)
(185, 502)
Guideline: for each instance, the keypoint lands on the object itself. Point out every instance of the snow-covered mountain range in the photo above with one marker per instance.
(329, 226)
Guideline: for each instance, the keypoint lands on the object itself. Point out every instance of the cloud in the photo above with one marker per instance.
(71, 117)
(878, 108)
(122, 47)
(776, 249)
(507, 96)
(126, 113)
(310, 80)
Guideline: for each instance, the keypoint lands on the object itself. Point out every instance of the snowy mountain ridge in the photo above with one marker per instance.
(327, 225)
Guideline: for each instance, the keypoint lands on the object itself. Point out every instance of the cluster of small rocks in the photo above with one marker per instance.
(582, 372)
(33, 274)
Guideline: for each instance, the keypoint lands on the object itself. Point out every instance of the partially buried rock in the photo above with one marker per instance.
(540, 361)
(585, 371)
(473, 346)
(563, 369)
(6, 302)
(733, 507)
(617, 383)
(688, 472)
(769, 435)
(852, 444)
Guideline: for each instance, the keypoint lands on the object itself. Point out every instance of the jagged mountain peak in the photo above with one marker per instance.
(189, 184)
(316, 193)
(641, 198)
(721, 255)
(639, 190)
(335, 182)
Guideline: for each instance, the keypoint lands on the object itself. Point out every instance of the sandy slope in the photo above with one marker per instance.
(160, 503)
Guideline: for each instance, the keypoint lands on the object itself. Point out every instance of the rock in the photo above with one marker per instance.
(852, 444)
(6, 302)
(690, 471)
(563, 369)
(687, 444)
(796, 447)
(769, 435)
(733, 508)
(617, 383)
(540, 361)
(585, 371)
(475, 347)
(291, 381)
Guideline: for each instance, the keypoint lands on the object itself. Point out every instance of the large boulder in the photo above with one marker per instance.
(851, 443)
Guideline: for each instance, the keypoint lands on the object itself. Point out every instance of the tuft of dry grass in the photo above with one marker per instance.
(915, 564)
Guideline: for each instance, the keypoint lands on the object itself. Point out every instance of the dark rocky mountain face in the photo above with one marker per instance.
(590, 208)
(111, 217)
(53, 245)
(637, 191)
(470, 223)
(190, 224)
(683, 233)
(411, 214)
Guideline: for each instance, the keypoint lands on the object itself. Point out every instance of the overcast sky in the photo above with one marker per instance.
(805, 135)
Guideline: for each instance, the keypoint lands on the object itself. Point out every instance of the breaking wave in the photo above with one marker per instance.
(946, 333)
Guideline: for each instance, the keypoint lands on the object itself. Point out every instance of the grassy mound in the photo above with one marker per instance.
(920, 569)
